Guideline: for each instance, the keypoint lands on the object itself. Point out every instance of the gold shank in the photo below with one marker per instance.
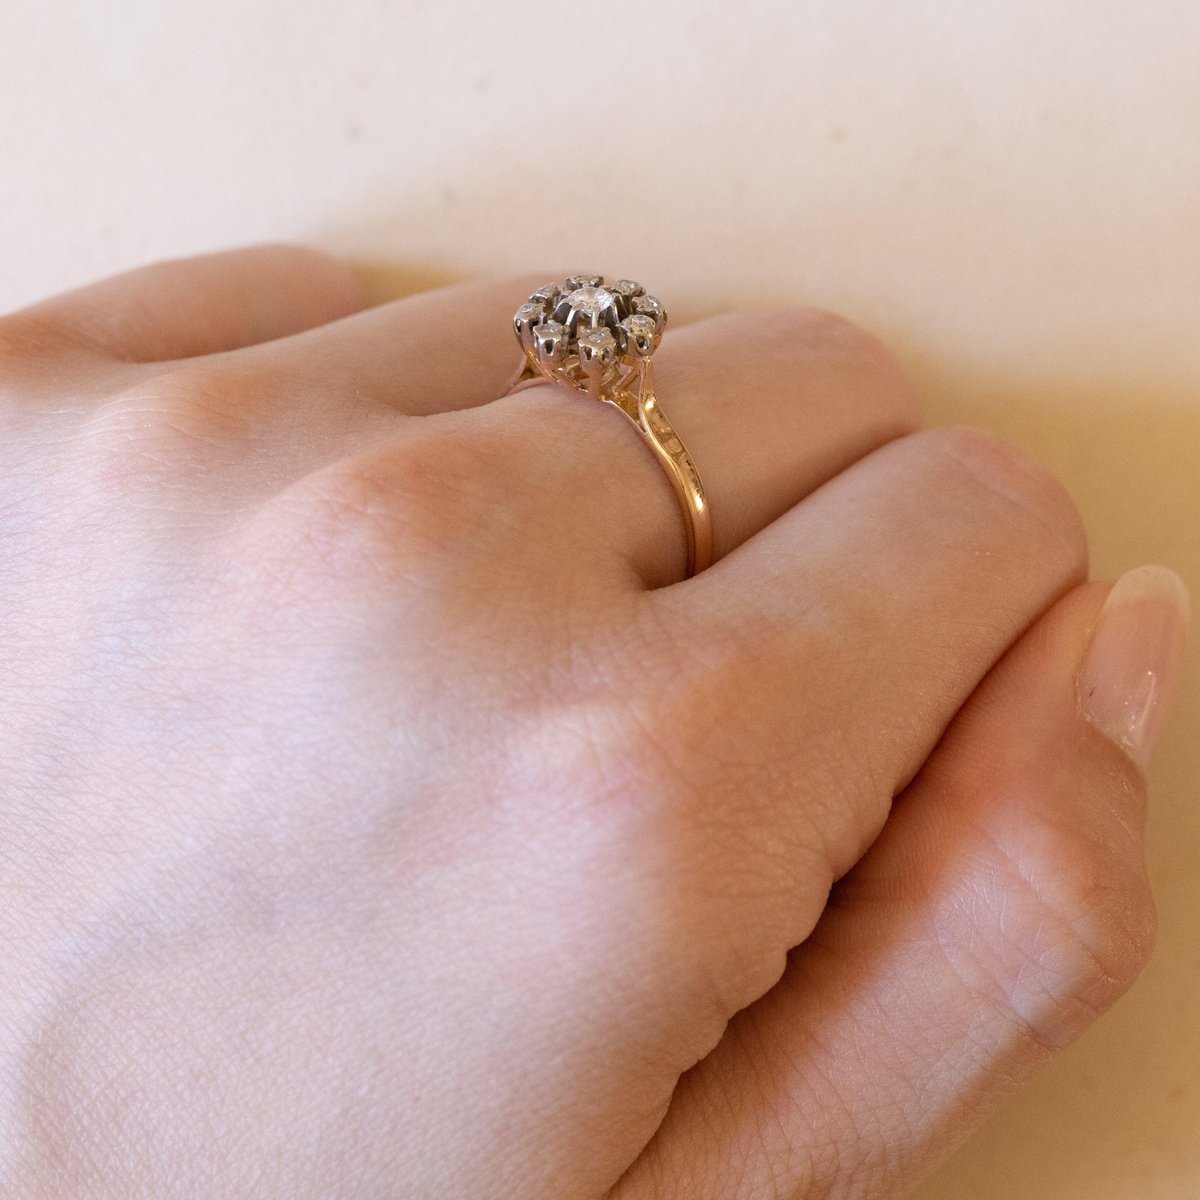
(648, 418)
(587, 365)
(668, 448)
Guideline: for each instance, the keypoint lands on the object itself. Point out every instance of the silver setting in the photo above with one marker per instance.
(597, 347)
(599, 338)
(550, 345)
(548, 293)
(527, 316)
(641, 334)
(651, 306)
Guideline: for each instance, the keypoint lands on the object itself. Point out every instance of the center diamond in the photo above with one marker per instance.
(592, 302)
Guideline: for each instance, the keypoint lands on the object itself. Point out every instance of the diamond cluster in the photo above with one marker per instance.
(595, 336)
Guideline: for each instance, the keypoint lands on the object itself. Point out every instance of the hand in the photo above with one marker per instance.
(380, 821)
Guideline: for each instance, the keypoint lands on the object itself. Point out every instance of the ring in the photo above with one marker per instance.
(600, 339)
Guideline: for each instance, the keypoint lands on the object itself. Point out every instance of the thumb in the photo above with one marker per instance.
(1004, 906)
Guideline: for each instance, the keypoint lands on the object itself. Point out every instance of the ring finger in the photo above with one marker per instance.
(769, 404)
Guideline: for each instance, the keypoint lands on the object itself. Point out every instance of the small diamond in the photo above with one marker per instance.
(642, 332)
(550, 343)
(526, 317)
(547, 295)
(651, 306)
(549, 329)
(529, 314)
(581, 281)
(626, 291)
(597, 346)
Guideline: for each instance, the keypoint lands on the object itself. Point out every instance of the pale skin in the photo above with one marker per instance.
(385, 817)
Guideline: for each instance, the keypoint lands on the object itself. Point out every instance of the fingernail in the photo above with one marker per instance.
(1131, 667)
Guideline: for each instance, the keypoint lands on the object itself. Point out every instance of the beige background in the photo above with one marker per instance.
(1007, 190)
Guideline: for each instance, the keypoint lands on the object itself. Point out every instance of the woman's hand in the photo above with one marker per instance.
(379, 821)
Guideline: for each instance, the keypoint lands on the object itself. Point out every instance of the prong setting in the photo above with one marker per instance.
(594, 336)
(651, 306)
(527, 316)
(550, 345)
(641, 334)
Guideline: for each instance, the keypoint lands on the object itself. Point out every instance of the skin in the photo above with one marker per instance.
(383, 818)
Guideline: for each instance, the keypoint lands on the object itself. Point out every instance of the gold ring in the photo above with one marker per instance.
(600, 339)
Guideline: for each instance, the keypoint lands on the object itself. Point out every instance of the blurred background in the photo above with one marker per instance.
(1007, 191)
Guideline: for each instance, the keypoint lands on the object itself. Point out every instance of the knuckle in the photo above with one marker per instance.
(1011, 486)
(1081, 919)
(150, 432)
(200, 401)
(838, 336)
(382, 508)
(15, 342)
(833, 334)
(24, 340)
(868, 373)
(644, 811)
(1107, 908)
(341, 287)
(722, 775)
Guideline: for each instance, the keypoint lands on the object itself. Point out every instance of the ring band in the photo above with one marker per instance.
(600, 339)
